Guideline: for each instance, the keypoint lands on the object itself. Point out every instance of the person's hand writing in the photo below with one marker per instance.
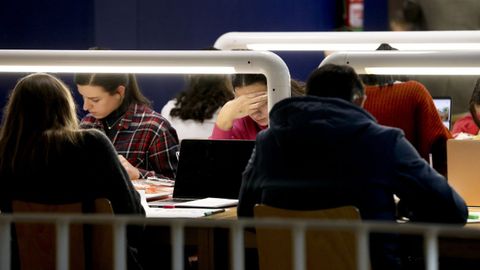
(132, 171)
(240, 107)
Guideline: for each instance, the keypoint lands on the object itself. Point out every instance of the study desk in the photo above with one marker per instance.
(208, 247)
(455, 253)
(211, 246)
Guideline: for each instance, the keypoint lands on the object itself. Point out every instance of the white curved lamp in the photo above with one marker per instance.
(348, 41)
(409, 63)
(159, 62)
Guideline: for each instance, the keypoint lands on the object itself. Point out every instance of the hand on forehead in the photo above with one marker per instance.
(249, 89)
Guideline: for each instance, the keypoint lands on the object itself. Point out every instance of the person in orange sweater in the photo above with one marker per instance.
(398, 102)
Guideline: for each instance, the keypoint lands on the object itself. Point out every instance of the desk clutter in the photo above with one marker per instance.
(153, 190)
(208, 179)
(182, 212)
(192, 209)
(195, 203)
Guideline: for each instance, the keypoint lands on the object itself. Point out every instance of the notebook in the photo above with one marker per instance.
(444, 108)
(462, 165)
(209, 168)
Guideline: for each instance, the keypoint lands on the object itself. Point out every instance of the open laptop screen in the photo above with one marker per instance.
(444, 108)
(211, 168)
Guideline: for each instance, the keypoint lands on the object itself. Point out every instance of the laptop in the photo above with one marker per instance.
(462, 165)
(209, 168)
(444, 108)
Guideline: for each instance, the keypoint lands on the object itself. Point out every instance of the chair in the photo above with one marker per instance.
(325, 249)
(91, 246)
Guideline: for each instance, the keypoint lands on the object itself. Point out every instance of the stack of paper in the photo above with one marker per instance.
(473, 217)
(209, 203)
(182, 212)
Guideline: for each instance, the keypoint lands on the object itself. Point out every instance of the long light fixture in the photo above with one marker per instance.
(349, 41)
(158, 62)
(409, 63)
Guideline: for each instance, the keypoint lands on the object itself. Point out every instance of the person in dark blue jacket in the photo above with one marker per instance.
(323, 150)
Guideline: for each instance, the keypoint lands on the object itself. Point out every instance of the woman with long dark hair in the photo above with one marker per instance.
(46, 158)
(145, 141)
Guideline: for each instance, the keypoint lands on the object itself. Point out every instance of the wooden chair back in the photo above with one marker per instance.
(91, 246)
(325, 249)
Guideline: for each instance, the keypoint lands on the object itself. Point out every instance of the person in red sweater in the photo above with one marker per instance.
(398, 102)
(470, 123)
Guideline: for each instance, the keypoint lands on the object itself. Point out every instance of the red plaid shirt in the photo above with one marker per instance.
(145, 139)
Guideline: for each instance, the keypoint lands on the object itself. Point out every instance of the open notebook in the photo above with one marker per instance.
(209, 168)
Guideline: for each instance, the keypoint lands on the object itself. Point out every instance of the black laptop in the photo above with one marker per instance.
(209, 168)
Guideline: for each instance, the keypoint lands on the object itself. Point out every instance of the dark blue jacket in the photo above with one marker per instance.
(326, 152)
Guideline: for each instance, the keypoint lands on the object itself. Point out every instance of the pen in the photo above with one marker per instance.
(473, 217)
(209, 213)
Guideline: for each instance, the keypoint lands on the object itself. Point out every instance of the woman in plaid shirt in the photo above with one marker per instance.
(146, 143)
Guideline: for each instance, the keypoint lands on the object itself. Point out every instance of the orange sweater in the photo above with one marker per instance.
(409, 106)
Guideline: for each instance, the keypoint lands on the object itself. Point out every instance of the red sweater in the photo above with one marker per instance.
(408, 106)
(465, 124)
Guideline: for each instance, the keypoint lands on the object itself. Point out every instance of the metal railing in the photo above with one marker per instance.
(362, 229)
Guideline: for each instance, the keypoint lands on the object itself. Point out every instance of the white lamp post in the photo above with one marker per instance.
(409, 63)
(159, 62)
(343, 41)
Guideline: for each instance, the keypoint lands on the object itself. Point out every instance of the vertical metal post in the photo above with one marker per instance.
(238, 247)
(298, 252)
(177, 245)
(363, 249)
(62, 243)
(120, 245)
(431, 249)
(5, 243)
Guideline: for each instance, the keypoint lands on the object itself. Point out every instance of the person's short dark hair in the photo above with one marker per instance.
(336, 81)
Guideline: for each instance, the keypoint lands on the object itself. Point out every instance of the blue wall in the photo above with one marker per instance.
(375, 15)
(159, 25)
(190, 25)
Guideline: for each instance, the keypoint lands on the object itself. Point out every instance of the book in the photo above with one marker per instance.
(153, 190)
(208, 203)
(182, 212)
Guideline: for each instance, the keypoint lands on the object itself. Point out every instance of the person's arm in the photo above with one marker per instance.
(235, 109)
(133, 172)
(421, 189)
(122, 194)
(162, 153)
